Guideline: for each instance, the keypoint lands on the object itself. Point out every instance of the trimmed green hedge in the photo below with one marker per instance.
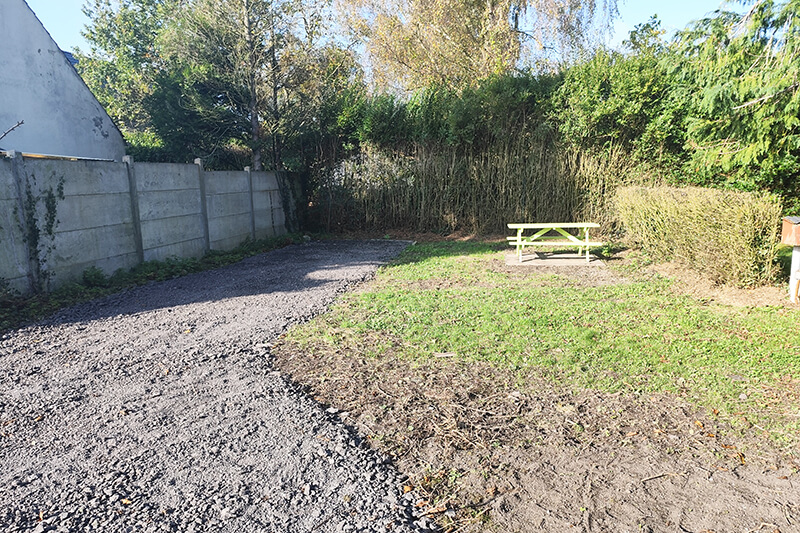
(729, 236)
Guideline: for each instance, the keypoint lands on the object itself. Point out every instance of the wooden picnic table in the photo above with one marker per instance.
(543, 236)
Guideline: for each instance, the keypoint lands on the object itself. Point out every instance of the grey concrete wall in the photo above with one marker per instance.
(13, 251)
(270, 218)
(170, 210)
(40, 87)
(95, 223)
(115, 215)
(228, 207)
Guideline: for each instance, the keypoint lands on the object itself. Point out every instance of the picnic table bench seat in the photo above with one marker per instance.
(542, 236)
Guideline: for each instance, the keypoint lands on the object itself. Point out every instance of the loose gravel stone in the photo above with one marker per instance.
(158, 409)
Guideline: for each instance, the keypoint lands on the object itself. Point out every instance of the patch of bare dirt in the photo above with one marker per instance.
(495, 449)
(688, 282)
(572, 276)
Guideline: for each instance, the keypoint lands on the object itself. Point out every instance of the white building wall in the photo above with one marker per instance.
(40, 87)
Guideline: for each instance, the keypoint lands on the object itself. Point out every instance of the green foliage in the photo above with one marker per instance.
(718, 107)
(123, 57)
(208, 131)
(7, 294)
(384, 122)
(616, 99)
(39, 238)
(473, 159)
(327, 111)
(475, 117)
(94, 277)
(235, 83)
(729, 236)
(745, 97)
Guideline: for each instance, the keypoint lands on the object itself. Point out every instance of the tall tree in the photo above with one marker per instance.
(242, 53)
(744, 72)
(123, 59)
(417, 43)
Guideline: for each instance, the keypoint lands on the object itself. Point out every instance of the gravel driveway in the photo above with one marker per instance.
(158, 409)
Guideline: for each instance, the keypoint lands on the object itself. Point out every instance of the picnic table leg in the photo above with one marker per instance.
(586, 236)
(519, 245)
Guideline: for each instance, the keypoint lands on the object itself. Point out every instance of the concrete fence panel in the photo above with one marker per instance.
(111, 215)
(267, 205)
(13, 250)
(94, 223)
(228, 208)
(170, 210)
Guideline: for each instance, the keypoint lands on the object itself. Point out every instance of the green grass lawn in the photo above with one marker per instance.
(632, 336)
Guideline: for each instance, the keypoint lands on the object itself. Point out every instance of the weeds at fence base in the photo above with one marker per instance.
(16, 310)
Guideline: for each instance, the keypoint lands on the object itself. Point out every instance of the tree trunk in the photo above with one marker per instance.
(277, 159)
(255, 123)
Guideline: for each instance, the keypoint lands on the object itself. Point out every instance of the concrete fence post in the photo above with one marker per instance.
(203, 202)
(252, 204)
(134, 196)
(20, 180)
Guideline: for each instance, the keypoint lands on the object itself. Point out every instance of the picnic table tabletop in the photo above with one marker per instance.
(552, 225)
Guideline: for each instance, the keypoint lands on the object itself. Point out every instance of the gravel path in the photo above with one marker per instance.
(158, 409)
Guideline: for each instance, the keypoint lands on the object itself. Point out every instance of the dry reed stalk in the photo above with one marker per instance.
(446, 188)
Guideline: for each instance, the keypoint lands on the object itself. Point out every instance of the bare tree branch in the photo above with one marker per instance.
(12, 128)
(758, 100)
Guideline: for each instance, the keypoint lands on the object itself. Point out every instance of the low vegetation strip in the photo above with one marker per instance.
(451, 350)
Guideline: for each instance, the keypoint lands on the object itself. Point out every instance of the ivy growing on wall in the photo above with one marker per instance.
(40, 239)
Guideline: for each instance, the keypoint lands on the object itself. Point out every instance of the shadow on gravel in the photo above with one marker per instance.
(291, 270)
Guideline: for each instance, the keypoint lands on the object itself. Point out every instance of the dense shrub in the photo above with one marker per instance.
(730, 236)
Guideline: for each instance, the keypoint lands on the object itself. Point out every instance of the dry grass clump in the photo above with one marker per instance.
(729, 236)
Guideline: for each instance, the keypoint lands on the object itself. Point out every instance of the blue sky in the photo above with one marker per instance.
(65, 20)
(674, 14)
